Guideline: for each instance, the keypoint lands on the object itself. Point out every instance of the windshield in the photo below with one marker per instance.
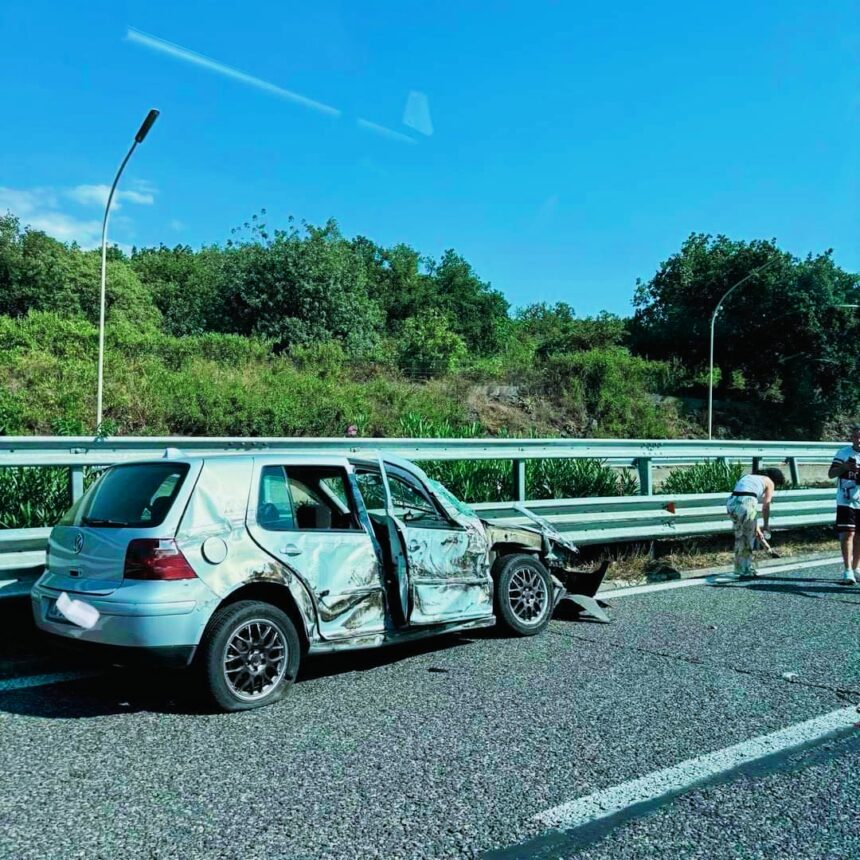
(133, 496)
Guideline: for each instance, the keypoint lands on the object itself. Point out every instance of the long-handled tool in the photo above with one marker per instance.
(763, 537)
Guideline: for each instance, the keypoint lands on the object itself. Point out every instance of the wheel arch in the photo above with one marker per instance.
(501, 550)
(279, 595)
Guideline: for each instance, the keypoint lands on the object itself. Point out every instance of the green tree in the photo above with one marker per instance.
(428, 346)
(38, 273)
(477, 312)
(556, 329)
(395, 281)
(301, 287)
(782, 331)
(185, 286)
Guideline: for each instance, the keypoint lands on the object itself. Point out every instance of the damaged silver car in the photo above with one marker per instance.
(241, 564)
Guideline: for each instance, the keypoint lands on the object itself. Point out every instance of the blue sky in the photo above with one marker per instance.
(564, 148)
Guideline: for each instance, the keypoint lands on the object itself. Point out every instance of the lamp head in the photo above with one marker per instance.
(142, 132)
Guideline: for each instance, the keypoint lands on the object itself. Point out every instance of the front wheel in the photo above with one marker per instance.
(523, 594)
(249, 655)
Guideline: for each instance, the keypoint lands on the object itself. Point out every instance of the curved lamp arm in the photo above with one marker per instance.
(142, 132)
(726, 294)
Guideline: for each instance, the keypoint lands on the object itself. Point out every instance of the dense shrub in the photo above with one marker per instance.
(609, 390)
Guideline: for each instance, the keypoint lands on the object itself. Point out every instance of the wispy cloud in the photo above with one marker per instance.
(98, 194)
(24, 201)
(44, 209)
(180, 53)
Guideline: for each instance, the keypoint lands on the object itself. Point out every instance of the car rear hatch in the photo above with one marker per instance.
(87, 549)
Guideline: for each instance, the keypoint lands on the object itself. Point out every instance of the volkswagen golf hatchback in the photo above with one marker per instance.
(239, 565)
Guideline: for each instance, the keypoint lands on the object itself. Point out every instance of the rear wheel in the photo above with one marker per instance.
(249, 655)
(523, 594)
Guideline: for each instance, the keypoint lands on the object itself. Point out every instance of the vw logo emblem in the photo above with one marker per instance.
(79, 543)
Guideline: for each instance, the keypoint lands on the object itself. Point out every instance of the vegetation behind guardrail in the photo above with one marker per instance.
(39, 475)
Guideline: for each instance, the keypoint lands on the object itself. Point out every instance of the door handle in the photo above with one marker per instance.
(290, 549)
(450, 540)
(413, 547)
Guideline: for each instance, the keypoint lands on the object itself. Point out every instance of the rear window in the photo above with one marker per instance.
(133, 496)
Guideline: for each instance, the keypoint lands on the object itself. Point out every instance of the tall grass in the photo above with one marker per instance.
(493, 480)
(713, 476)
(572, 479)
(33, 497)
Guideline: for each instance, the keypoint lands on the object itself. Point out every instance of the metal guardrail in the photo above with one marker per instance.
(642, 454)
(587, 521)
(629, 518)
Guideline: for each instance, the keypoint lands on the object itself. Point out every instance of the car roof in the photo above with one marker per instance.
(174, 455)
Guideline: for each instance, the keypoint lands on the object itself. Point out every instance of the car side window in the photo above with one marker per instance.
(407, 498)
(411, 504)
(274, 504)
(305, 498)
(321, 498)
(372, 491)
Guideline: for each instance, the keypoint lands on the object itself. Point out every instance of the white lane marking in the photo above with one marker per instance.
(612, 593)
(656, 586)
(681, 777)
(44, 680)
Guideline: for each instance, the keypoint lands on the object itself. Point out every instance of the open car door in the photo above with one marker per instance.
(443, 572)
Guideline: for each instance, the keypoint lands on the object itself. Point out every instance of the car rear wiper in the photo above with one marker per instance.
(96, 521)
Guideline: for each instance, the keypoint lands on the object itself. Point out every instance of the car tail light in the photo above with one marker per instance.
(156, 558)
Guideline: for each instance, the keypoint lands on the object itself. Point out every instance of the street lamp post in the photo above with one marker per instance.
(138, 138)
(727, 293)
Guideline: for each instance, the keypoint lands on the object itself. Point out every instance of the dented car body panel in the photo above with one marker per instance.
(363, 551)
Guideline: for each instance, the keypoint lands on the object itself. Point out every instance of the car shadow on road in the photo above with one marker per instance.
(326, 665)
(97, 689)
(89, 688)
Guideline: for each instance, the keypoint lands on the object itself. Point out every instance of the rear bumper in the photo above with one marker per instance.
(165, 656)
(153, 621)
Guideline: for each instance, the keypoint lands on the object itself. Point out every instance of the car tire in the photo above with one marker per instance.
(523, 594)
(249, 655)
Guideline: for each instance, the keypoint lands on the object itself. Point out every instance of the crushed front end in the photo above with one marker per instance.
(558, 554)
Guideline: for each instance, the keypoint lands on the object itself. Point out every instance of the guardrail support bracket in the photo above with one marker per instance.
(793, 470)
(519, 480)
(76, 482)
(646, 477)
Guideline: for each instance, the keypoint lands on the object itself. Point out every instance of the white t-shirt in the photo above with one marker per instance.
(751, 484)
(848, 486)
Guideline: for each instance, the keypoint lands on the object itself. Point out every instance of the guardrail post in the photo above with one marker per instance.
(793, 470)
(519, 480)
(756, 463)
(76, 482)
(646, 477)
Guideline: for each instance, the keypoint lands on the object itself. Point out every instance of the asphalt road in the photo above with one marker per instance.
(453, 747)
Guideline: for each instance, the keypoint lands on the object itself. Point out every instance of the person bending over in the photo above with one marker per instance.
(742, 507)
